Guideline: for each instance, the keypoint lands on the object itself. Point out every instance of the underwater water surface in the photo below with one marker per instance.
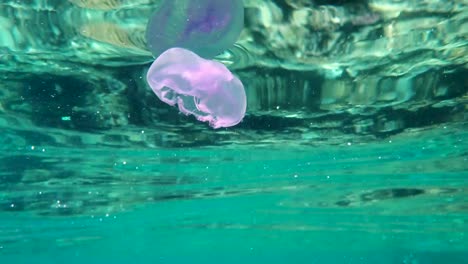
(353, 147)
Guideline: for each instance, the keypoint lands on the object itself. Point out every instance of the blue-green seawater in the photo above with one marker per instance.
(402, 199)
(353, 148)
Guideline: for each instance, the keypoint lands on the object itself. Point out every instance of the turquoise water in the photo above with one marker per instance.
(398, 200)
(353, 148)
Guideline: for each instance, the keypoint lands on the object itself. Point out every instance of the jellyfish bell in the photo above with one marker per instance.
(199, 87)
(206, 27)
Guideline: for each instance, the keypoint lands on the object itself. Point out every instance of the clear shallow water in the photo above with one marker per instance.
(353, 149)
(398, 200)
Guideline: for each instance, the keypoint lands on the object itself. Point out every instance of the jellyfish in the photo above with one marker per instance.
(199, 87)
(206, 27)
